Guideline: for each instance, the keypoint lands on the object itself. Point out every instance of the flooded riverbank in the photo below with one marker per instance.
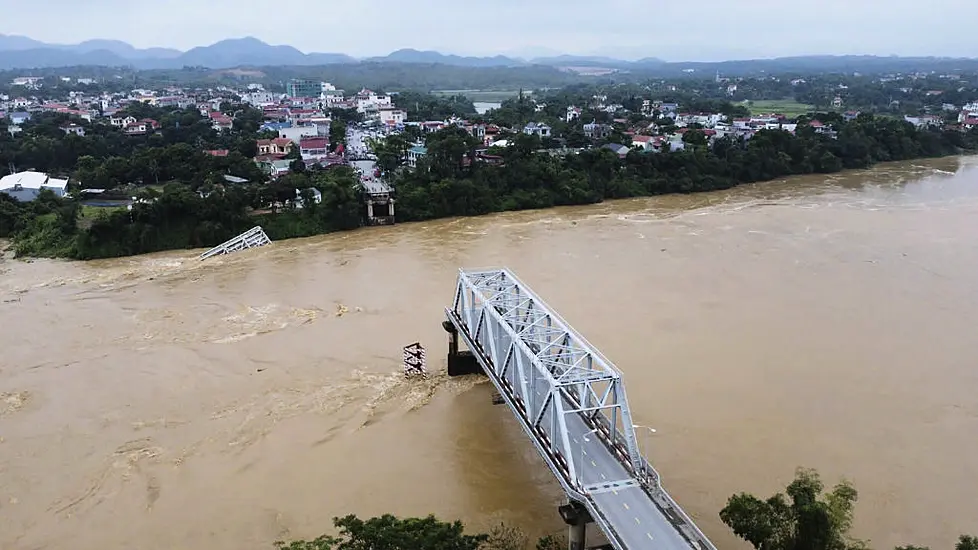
(162, 402)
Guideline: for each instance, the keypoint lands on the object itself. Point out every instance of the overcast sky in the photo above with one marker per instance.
(670, 29)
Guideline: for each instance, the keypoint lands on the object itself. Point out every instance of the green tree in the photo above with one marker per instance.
(803, 519)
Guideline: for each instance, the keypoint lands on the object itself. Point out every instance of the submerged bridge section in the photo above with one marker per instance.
(249, 239)
(570, 400)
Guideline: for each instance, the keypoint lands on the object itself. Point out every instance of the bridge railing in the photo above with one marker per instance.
(551, 370)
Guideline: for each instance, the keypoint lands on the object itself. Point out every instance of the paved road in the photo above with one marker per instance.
(636, 520)
(632, 513)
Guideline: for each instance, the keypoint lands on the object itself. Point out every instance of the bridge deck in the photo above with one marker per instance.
(592, 455)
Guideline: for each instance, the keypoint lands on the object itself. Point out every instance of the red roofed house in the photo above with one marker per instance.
(313, 147)
(218, 152)
(220, 121)
(644, 142)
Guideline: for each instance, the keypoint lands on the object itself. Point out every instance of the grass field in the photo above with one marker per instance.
(786, 107)
(490, 96)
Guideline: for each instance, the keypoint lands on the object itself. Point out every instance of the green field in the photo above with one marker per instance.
(786, 107)
(490, 96)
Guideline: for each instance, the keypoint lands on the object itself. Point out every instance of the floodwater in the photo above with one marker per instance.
(159, 402)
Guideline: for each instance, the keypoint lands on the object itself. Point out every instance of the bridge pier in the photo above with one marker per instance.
(460, 363)
(576, 517)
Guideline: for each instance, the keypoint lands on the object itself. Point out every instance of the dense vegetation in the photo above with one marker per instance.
(447, 181)
(447, 185)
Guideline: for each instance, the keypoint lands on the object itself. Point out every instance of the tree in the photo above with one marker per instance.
(810, 521)
(390, 533)
(505, 537)
(802, 520)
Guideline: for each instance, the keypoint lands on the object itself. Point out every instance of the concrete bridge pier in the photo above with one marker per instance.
(463, 362)
(576, 517)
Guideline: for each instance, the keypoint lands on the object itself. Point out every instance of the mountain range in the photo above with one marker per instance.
(25, 53)
(22, 52)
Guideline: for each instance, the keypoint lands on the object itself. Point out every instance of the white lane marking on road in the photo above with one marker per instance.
(625, 504)
(649, 535)
(604, 476)
(637, 520)
(593, 463)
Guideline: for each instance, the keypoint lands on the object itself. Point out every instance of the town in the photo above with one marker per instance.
(278, 146)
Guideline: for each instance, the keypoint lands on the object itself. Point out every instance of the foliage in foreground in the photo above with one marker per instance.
(803, 518)
(391, 533)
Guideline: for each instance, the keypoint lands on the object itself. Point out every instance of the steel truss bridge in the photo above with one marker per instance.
(570, 400)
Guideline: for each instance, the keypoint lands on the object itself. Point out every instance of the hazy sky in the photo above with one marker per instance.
(670, 29)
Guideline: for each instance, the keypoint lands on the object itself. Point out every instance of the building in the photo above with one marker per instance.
(537, 129)
(313, 147)
(277, 146)
(296, 133)
(303, 88)
(26, 186)
(74, 129)
(392, 117)
(414, 154)
(597, 131)
(19, 118)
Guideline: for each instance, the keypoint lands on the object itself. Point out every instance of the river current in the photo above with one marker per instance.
(160, 402)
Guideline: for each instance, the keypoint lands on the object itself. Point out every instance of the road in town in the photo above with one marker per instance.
(824, 321)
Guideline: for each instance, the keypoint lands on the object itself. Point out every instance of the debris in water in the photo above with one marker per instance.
(341, 309)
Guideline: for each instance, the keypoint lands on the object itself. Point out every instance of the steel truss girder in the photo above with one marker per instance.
(548, 369)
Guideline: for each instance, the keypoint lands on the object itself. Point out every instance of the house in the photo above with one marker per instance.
(313, 147)
(617, 148)
(218, 152)
(122, 121)
(537, 129)
(573, 113)
(277, 146)
(924, 120)
(220, 121)
(315, 194)
(642, 142)
(849, 116)
(367, 100)
(597, 131)
(274, 167)
(415, 153)
(136, 129)
(26, 186)
(73, 129)
(19, 118)
(391, 116)
(296, 133)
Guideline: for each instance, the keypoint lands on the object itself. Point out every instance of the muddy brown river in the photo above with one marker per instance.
(159, 402)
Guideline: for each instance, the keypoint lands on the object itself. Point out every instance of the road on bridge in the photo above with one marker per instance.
(632, 513)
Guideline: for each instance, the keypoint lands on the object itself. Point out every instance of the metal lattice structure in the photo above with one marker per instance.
(249, 239)
(564, 392)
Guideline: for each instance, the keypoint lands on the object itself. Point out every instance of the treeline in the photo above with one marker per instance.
(448, 184)
(451, 181)
(178, 217)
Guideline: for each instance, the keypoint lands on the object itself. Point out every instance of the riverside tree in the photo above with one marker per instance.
(804, 518)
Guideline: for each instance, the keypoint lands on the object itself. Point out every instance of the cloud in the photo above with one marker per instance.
(706, 29)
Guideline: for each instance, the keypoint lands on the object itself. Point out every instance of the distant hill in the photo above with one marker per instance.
(24, 52)
(430, 57)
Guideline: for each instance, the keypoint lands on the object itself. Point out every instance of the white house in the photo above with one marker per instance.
(74, 129)
(392, 116)
(539, 129)
(296, 133)
(573, 113)
(26, 186)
